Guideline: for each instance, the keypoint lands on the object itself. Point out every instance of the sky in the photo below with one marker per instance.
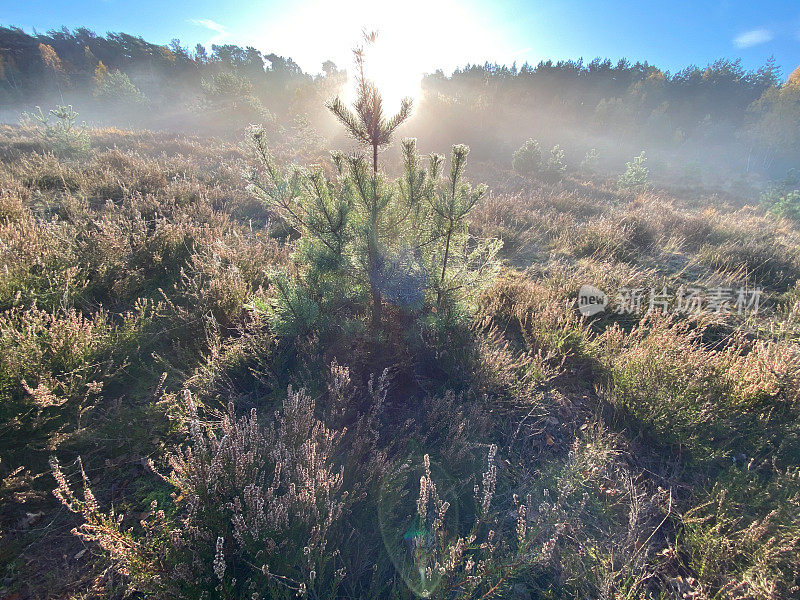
(424, 35)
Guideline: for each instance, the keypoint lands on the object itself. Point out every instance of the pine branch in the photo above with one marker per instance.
(398, 119)
(346, 117)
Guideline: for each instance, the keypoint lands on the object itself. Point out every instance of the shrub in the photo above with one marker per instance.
(601, 238)
(434, 560)
(54, 366)
(744, 243)
(590, 161)
(684, 394)
(364, 239)
(60, 135)
(527, 160)
(556, 167)
(256, 507)
(742, 538)
(636, 175)
(229, 97)
(731, 412)
(787, 206)
(783, 199)
(116, 88)
(39, 264)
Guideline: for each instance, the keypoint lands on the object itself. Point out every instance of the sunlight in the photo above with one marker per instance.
(394, 71)
(408, 45)
(540, 338)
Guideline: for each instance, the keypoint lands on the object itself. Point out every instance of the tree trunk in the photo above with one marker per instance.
(444, 267)
(374, 284)
(376, 306)
(372, 250)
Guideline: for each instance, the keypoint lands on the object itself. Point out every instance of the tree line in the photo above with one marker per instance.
(746, 120)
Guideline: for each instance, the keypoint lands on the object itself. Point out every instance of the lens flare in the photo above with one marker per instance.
(410, 534)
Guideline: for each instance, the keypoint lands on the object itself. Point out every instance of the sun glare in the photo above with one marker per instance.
(412, 40)
(392, 71)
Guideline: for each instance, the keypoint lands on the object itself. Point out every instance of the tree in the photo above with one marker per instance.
(366, 239)
(795, 76)
(590, 161)
(329, 68)
(783, 198)
(450, 203)
(556, 167)
(100, 73)
(53, 64)
(527, 160)
(368, 124)
(776, 127)
(62, 135)
(370, 128)
(115, 87)
(200, 54)
(227, 90)
(636, 174)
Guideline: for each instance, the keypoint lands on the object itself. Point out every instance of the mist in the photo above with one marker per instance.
(717, 122)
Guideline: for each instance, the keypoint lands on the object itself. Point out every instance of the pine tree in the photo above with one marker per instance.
(365, 239)
(556, 167)
(368, 125)
(527, 160)
(636, 174)
(115, 87)
(590, 161)
(451, 204)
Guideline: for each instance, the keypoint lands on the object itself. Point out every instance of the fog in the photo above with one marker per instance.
(717, 124)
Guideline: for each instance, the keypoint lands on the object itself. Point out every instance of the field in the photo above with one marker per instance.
(219, 419)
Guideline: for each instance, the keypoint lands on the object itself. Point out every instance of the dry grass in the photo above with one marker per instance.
(635, 457)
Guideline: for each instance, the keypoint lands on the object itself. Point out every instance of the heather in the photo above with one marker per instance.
(253, 368)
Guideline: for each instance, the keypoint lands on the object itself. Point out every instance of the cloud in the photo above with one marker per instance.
(220, 30)
(754, 37)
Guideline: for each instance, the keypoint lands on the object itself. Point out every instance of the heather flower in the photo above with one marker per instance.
(219, 559)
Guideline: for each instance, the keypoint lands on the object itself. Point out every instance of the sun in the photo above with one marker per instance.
(411, 42)
(395, 72)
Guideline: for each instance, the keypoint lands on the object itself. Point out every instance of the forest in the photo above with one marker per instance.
(532, 334)
(720, 110)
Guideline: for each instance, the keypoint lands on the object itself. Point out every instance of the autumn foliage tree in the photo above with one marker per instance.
(54, 66)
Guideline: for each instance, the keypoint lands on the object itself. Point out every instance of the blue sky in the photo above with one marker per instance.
(448, 33)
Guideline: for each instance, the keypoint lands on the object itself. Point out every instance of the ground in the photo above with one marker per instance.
(671, 441)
